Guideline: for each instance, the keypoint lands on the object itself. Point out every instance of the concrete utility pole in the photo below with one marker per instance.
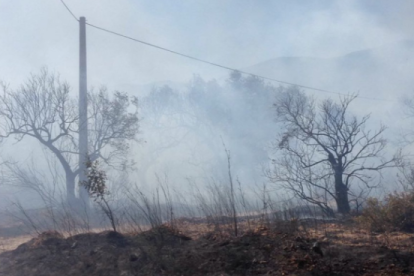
(83, 111)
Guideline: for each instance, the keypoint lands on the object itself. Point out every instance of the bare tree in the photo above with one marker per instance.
(42, 108)
(324, 150)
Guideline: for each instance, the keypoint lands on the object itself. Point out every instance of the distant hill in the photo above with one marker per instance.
(384, 73)
(377, 72)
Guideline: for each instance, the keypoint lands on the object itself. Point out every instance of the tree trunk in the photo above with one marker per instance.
(341, 191)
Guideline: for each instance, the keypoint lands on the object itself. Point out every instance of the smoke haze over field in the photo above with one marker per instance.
(349, 46)
(234, 33)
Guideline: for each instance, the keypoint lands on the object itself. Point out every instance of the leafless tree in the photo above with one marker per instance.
(43, 109)
(324, 150)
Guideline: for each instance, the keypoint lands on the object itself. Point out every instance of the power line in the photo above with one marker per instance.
(69, 10)
(212, 63)
(223, 66)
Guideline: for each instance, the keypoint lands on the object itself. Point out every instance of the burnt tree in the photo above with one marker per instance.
(323, 150)
(43, 109)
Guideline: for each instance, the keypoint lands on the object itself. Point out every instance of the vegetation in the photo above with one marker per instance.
(325, 150)
(325, 161)
(394, 213)
(98, 190)
(43, 109)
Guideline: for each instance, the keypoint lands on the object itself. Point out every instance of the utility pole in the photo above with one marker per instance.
(83, 113)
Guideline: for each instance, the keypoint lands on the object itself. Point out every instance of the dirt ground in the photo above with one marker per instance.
(199, 249)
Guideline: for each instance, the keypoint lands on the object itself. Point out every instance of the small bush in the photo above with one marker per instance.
(395, 213)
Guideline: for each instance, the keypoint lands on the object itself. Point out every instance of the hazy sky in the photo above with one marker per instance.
(236, 33)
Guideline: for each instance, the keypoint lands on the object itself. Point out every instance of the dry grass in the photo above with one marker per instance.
(351, 235)
(11, 243)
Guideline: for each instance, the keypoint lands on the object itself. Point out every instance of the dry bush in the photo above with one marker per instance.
(395, 213)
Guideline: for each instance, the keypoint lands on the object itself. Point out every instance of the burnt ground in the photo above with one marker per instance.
(260, 251)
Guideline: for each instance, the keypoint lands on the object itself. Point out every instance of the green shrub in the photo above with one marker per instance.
(395, 213)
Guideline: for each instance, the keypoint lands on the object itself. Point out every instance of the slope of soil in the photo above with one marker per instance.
(164, 251)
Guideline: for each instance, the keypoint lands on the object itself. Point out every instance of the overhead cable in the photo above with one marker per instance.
(213, 63)
(69, 10)
(223, 66)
